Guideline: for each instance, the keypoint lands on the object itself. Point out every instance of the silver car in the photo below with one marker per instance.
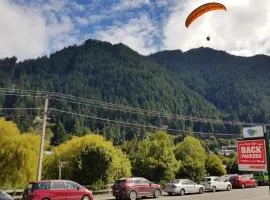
(5, 196)
(214, 183)
(182, 187)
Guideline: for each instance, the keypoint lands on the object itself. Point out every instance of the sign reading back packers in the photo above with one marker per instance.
(251, 155)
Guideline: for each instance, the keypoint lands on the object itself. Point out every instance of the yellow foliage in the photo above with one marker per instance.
(18, 155)
(71, 151)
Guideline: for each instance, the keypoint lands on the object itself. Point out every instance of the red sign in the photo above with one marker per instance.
(251, 155)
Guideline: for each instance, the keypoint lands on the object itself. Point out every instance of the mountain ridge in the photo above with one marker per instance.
(201, 82)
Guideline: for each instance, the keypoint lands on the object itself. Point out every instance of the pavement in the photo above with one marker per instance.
(258, 193)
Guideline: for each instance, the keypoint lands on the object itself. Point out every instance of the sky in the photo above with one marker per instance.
(34, 28)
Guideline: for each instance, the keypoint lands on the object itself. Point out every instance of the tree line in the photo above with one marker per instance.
(95, 161)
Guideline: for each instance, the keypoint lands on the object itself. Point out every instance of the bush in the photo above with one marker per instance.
(91, 161)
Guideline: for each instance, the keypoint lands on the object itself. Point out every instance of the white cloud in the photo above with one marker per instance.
(82, 20)
(54, 5)
(77, 7)
(137, 33)
(242, 30)
(123, 5)
(22, 31)
(35, 29)
(92, 19)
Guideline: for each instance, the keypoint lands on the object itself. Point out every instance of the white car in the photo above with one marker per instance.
(214, 183)
(182, 187)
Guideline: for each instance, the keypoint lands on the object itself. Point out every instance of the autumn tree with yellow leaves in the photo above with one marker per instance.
(18, 155)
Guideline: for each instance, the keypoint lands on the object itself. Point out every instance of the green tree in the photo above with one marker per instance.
(214, 166)
(59, 133)
(153, 158)
(77, 128)
(230, 162)
(191, 154)
(91, 161)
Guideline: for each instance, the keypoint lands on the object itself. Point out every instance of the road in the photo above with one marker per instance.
(259, 193)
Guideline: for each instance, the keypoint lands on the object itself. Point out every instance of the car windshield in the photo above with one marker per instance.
(120, 181)
(176, 181)
(233, 177)
(206, 179)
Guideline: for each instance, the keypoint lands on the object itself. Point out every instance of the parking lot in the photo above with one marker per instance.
(258, 193)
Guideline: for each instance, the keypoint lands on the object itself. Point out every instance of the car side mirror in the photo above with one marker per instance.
(78, 188)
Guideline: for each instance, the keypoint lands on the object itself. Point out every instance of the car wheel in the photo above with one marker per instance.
(214, 189)
(229, 187)
(85, 198)
(243, 186)
(132, 195)
(170, 194)
(157, 193)
(182, 192)
(200, 190)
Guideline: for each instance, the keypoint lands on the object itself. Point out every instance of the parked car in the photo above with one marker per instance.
(227, 176)
(241, 181)
(261, 178)
(214, 183)
(5, 196)
(56, 189)
(134, 187)
(183, 186)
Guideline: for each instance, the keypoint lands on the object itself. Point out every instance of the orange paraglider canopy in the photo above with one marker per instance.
(203, 9)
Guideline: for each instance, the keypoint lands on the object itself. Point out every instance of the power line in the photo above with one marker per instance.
(105, 105)
(16, 93)
(117, 107)
(23, 91)
(21, 108)
(140, 125)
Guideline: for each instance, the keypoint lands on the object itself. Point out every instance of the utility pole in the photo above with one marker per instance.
(60, 165)
(267, 155)
(42, 138)
(60, 169)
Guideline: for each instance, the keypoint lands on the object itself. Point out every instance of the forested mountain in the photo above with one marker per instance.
(239, 86)
(201, 82)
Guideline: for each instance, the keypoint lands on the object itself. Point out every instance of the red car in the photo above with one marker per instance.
(242, 181)
(56, 189)
(135, 187)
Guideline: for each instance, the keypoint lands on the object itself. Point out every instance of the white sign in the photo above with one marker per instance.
(253, 132)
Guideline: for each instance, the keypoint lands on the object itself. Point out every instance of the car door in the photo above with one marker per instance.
(73, 191)
(250, 182)
(192, 186)
(223, 184)
(186, 185)
(217, 183)
(58, 190)
(138, 187)
(146, 187)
